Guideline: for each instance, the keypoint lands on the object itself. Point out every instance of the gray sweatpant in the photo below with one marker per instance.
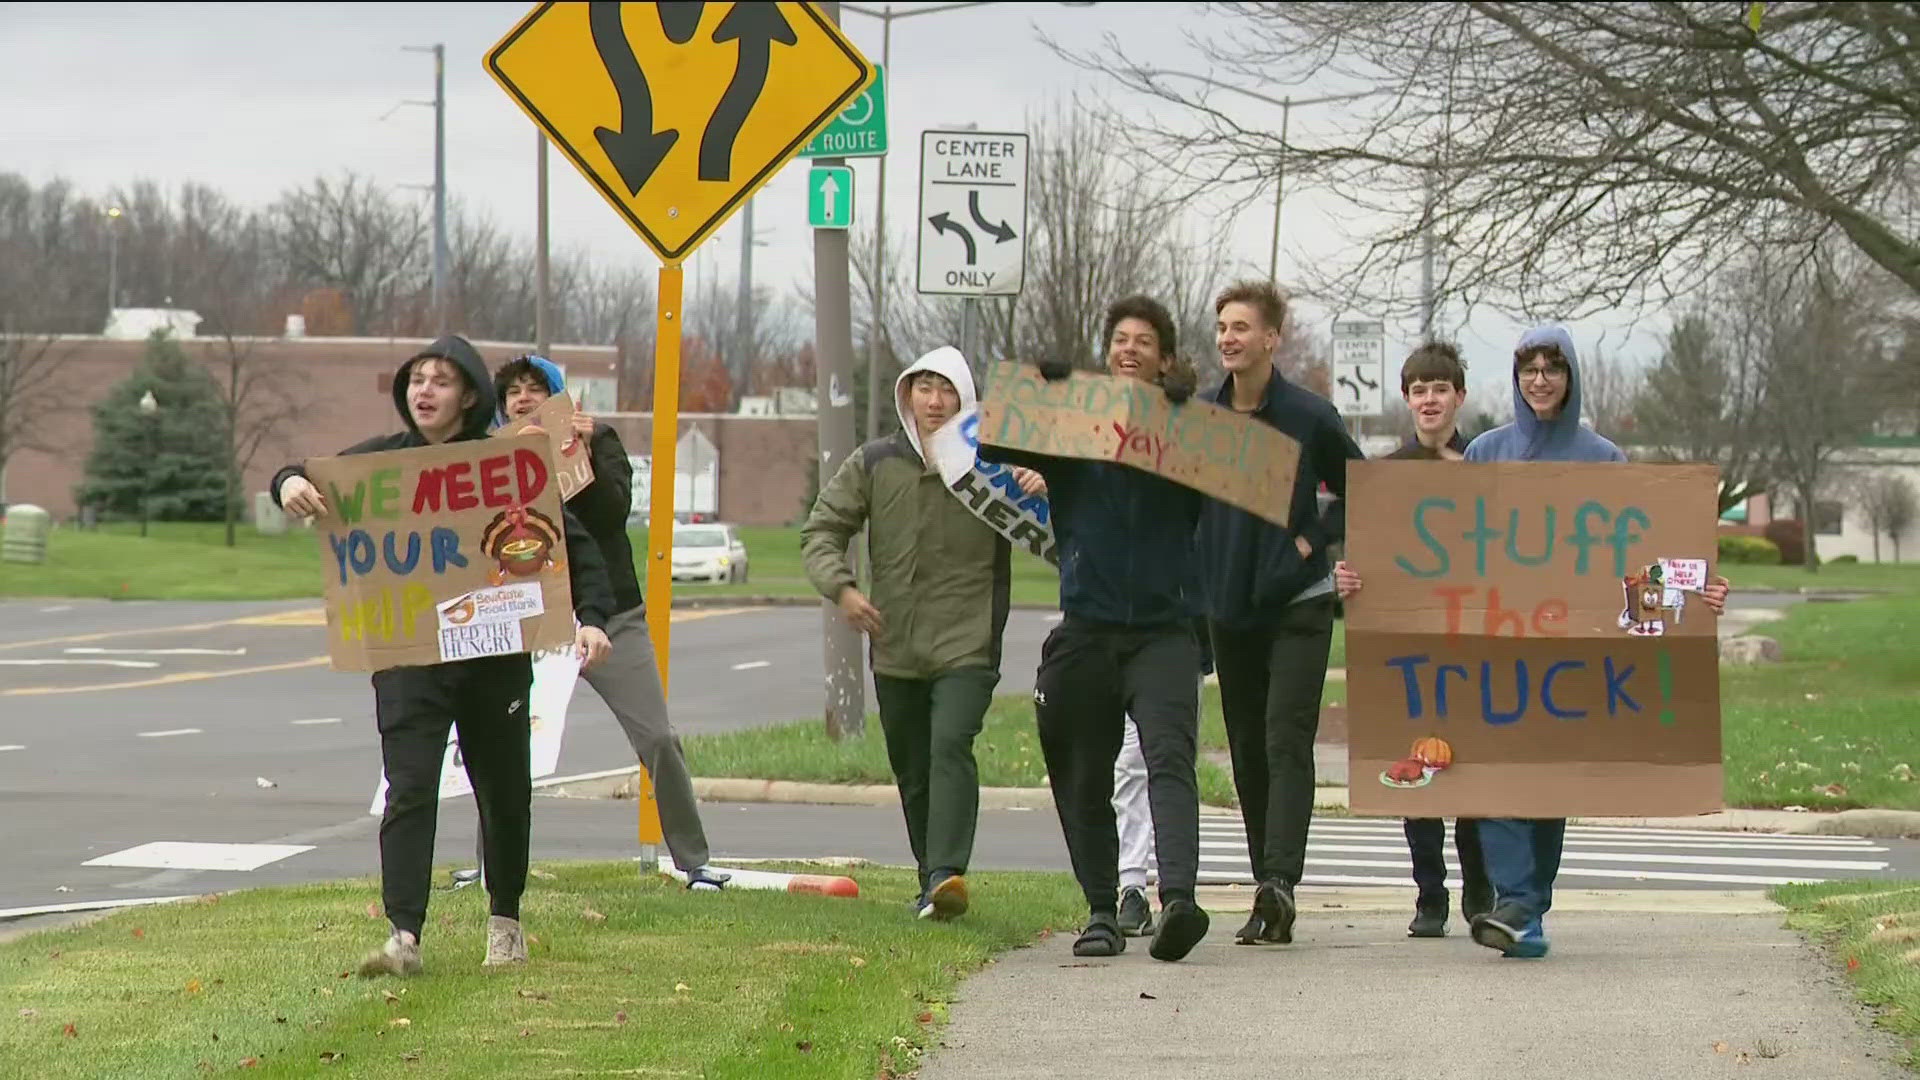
(628, 680)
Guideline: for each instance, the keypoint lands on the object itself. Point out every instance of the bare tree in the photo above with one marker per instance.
(30, 393)
(1700, 402)
(1818, 367)
(352, 235)
(1888, 502)
(1608, 389)
(1568, 157)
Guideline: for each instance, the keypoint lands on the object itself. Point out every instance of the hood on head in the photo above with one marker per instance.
(464, 356)
(556, 384)
(1537, 433)
(947, 361)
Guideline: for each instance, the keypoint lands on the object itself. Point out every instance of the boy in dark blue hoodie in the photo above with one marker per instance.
(1269, 593)
(1125, 647)
(442, 394)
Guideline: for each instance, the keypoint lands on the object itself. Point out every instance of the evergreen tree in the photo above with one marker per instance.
(172, 459)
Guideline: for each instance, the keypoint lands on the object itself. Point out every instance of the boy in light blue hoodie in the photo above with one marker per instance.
(1523, 855)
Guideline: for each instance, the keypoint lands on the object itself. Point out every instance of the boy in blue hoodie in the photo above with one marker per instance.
(1523, 856)
(629, 682)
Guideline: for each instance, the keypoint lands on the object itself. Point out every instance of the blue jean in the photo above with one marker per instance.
(1523, 858)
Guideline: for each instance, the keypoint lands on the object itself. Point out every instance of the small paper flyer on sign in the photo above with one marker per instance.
(442, 553)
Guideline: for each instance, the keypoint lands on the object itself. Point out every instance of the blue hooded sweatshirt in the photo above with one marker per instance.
(1529, 438)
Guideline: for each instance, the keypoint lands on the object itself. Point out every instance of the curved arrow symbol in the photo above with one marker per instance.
(679, 20)
(634, 147)
(943, 223)
(756, 27)
(1001, 232)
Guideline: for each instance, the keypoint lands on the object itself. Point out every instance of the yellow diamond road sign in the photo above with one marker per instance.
(679, 111)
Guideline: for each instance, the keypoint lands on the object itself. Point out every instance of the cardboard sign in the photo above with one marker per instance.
(554, 676)
(1525, 643)
(442, 553)
(989, 489)
(1238, 460)
(572, 455)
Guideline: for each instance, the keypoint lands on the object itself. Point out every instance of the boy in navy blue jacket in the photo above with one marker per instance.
(1125, 647)
(1270, 605)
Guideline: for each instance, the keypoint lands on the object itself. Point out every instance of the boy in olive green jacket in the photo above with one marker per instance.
(934, 621)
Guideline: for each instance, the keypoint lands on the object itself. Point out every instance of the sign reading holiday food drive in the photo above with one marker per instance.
(1237, 460)
(442, 553)
(1529, 640)
(571, 454)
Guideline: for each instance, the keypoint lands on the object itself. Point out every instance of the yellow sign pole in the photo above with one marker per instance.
(666, 438)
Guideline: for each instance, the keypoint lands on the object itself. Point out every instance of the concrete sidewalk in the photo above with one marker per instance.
(1641, 985)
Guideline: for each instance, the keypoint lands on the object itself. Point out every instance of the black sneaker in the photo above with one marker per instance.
(1273, 904)
(1428, 922)
(1136, 915)
(1182, 925)
(1501, 928)
(1476, 899)
(1253, 933)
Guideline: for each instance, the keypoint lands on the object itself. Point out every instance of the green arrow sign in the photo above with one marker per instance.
(830, 197)
(861, 128)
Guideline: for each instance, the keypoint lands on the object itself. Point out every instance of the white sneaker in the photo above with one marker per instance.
(506, 942)
(399, 956)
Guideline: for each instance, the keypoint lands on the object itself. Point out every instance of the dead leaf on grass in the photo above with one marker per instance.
(681, 988)
(70, 1031)
(1720, 1048)
(28, 1014)
(139, 933)
(526, 1033)
(620, 1017)
(1836, 791)
(373, 910)
(593, 916)
(856, 961)
(804, 1046)
(389, 995)
(925, 1018)
(542, 875)
(249, 1062)
(537, 995)
(411, 1055)
(193, 986)
(400, 1021)
(328, 1057)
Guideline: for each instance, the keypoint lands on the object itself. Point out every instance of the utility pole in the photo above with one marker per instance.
(439, 181)
(743, 307)
(1279, 190)
(878, 286)
(846, 705)
(542, 318)
(1426, 266)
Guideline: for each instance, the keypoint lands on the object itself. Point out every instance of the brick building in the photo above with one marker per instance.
(345, 387)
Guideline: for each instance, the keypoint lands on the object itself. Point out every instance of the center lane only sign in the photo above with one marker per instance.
(973, 213)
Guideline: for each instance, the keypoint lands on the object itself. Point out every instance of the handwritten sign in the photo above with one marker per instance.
(442, 553)
(1238, 460)
(1506, 659)
(989, 489)
(572, 455)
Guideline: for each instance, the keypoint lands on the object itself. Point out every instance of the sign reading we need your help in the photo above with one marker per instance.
(571, 454)
(1530, 641)
(442, 553)
(1240, 461)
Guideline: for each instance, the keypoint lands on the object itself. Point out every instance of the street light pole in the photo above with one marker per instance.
(150, 416)
(439, 181)
(114, 214)
(1279, 189)
(542, 315)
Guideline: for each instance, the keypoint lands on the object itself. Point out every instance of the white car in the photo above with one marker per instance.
(710, 552)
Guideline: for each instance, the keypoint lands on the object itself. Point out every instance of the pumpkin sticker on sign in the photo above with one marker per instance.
(442, 553)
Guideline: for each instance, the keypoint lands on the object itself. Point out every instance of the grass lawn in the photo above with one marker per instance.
(628, 977)
(178, 561)
(775, 569)
(1877, 577)
(1837, 724)
(1007, 752)
(1872, 930)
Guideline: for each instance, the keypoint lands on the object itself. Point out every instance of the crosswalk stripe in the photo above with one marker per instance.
(1404, 877)
(1232, 826)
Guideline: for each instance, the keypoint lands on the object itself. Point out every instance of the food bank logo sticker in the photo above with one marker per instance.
(486, 622)
(520, 543)
(1429, 756)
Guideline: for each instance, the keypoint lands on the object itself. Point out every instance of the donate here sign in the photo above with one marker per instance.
(442, 553)
(1530, 640)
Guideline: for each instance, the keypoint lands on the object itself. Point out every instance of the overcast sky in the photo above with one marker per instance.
(256, 98)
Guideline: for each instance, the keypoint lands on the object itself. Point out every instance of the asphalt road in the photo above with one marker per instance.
(123, 724)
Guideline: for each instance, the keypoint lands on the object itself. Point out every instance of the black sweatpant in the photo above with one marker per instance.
(1270, 683)
(1427, 842)
(1092, 677)
(486, 702)
(930, 726)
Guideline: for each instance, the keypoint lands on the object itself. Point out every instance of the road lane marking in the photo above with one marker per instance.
(15, 746)
(302, 617)
(85, 651)
(56, 609)
(171, 732)
(752, 664)
(81, 663)
(177, 855)
(163, 680)
(318, 720)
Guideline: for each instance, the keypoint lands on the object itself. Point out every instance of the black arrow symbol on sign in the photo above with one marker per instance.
(1361, 377)
(680, 20)
(756, 26)
(1002, 231)
(634, 147)
(1348, 383)
(943, 223)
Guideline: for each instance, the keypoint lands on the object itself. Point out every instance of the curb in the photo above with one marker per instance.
(803, 601)
(618, 784)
